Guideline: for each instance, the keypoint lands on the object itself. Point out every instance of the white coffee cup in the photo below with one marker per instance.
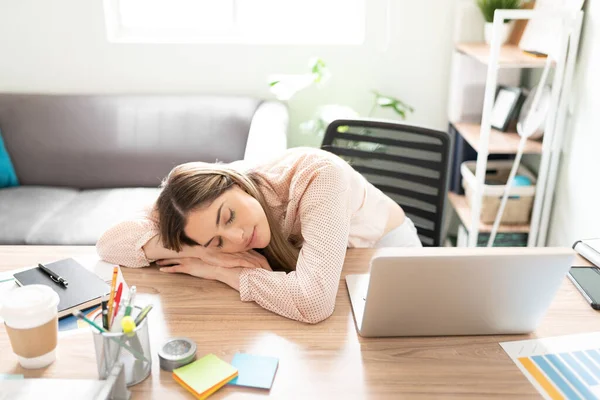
(30, 316)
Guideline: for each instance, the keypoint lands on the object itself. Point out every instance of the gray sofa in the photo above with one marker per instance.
(86, 162)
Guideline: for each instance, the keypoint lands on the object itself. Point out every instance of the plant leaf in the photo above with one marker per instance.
(400, 112)
(385, 102)
(488, 7)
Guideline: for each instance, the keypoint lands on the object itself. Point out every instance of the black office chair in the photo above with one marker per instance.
(408, 163)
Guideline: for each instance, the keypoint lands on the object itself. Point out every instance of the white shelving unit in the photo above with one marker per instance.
(486, 140)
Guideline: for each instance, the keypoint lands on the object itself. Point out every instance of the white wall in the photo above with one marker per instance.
(576, 211)
(59, 46)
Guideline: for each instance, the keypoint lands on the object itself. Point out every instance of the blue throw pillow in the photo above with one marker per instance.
(8, 177)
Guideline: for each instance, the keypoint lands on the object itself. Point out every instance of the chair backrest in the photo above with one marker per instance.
(407, 163)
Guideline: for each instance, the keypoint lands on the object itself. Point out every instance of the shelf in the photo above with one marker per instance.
(464, 213)
(511, 56)
(499, 142)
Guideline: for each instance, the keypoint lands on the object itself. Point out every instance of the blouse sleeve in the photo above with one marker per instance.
(122, 244)
(308, 293)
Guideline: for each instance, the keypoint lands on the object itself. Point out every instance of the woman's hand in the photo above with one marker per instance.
(247, 259)
(189, 265)
(200, 269)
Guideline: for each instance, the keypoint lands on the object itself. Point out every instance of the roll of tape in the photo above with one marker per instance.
(176, 352)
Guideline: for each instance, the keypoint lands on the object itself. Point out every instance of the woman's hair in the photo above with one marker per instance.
(191, 186)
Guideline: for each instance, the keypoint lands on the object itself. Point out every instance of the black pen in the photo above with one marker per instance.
(54, 276)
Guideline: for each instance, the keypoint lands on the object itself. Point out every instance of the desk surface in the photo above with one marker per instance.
(327, 360)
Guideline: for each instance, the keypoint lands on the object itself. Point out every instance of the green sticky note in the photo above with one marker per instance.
(11, 376)
(205, 376)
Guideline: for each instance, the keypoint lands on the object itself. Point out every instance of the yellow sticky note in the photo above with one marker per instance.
(205, 376)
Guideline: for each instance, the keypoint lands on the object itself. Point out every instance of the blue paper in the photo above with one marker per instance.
(69, 322)
(254, 371)
(10, 376)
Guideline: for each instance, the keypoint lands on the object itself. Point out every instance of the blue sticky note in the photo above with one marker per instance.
(10, 376)
(254, 371)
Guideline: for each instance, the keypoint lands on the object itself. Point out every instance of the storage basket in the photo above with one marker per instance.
(520, 200)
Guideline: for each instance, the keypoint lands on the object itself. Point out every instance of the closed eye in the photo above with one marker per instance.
(229, 221)
(232, 217)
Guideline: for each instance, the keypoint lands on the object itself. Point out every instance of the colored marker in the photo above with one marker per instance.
(143, 314)
(104, 312)
(136, 354)
(117, 302)
(130, 301)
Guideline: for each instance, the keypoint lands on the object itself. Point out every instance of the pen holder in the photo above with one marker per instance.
(133, 350)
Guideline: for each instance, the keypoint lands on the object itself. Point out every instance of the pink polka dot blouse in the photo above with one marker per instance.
(315, 196)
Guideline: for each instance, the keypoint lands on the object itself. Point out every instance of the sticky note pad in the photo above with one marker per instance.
(205, 376)
(254, 371)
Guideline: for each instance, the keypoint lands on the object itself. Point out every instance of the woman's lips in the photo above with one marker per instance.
(251, 240)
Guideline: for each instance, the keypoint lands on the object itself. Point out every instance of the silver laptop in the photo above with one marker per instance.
(456, 291)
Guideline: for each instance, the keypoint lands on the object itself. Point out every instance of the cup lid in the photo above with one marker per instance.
(26, 301)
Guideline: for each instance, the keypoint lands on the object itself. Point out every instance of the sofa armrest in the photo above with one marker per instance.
(268, 131)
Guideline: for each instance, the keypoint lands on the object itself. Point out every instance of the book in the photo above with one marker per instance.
(254, 371)
(85, 288)
(589, 249)
(205, 376)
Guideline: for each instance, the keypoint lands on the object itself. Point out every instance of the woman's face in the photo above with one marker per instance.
(234, 222)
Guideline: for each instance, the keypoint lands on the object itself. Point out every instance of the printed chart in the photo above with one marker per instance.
(564, 367)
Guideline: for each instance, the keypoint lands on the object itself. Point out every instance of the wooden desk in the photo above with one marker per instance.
(328, 360)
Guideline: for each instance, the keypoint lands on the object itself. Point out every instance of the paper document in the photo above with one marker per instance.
(563, 367)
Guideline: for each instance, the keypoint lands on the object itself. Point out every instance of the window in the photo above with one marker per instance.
(236, 21)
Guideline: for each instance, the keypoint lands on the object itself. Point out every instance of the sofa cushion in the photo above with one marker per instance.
(83, 220)
(120, 141)
(24, 209)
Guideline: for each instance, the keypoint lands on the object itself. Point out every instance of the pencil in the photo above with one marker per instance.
(113, 287)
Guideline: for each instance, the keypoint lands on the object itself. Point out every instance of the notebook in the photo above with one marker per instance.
(205, 376)
(254, 371)
(85, 288)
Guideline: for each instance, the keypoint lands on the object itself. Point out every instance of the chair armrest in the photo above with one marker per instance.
(268, 131)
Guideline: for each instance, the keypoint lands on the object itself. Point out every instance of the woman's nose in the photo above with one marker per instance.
(236, 235)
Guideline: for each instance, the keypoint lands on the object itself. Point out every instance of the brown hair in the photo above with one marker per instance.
(194, 185)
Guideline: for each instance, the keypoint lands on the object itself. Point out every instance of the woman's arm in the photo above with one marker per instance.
(154, 250)
(135, 243)
(308, 293)
(122, 244)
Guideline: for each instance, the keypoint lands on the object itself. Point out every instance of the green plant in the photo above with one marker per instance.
(383, 101)
(488, 7)
(284, 87)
